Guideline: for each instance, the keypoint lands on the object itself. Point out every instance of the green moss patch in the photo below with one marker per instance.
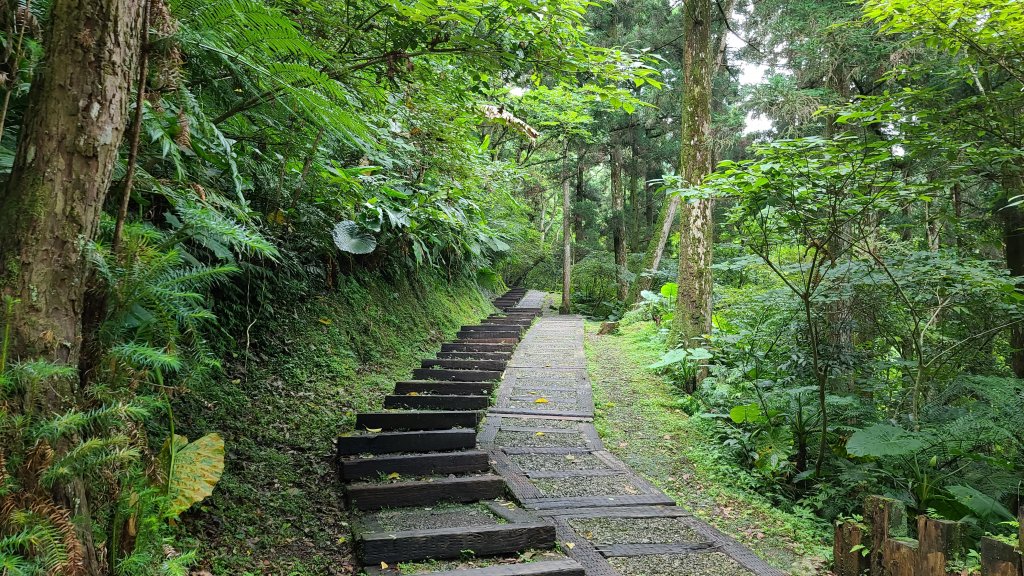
(698, 564)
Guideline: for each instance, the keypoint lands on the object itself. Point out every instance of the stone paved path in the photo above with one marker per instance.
(541, 439)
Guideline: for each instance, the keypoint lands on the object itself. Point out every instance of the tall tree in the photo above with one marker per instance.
(50, 207)
(619, 218)
(566, 245)
(693, 306)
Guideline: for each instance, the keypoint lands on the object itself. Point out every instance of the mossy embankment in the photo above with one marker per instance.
(639, 418)
(283, 400)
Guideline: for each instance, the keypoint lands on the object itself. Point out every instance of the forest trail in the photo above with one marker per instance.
(541, 438)
(426, 487)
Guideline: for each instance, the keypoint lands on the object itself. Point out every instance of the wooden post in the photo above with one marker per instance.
(850, 562)
(938, 542)
(900, 557)
(886, 518)
(999, 558)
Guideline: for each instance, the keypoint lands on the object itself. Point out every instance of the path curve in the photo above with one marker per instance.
(541, 438)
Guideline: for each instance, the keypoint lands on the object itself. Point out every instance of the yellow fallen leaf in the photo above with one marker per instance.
(541, 401)
(342, 540)
(383, 565)
(539, 434)
(374, 430)
(413, 394)
(326, 321)
(394, 476)
(570, 545)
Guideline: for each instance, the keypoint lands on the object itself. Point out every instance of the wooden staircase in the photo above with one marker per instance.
(414, 474)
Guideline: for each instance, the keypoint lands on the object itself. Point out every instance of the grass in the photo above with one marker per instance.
(639, 418)
(276, 510)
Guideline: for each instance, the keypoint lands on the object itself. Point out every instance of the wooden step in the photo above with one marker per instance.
(418, 441)
(390, 421)
(411, 545)
(444, 387)
(472, 364)
(414, 464)
(374, 496)
(437, 402)
(477, 347)
(482, 339)
(504, 321)
(456, 375)
(565, 567)
(462, 334)
(492, 328)
(503, 356)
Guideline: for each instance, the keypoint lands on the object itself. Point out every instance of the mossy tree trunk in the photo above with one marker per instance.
(566, 245)
(51, 204)
(619, 219)
(693, 306)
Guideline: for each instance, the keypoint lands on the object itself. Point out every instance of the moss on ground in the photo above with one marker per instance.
(276, 510)
(639, 419)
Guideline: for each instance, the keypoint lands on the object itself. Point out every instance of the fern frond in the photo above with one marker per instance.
(141, 355)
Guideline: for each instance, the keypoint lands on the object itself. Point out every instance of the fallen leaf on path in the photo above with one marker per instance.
(374, 430)
(541, 401)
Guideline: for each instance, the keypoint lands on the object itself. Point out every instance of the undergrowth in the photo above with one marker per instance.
(285, 399)
(642, 420)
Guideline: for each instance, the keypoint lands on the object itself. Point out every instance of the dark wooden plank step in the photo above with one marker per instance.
(473, 364)
(492, 334)
(542, 568)
(418, 441)
(390, 421)
(456, 375)
(487, 340)
(470, 355)
(501, 321)
(444, 387)
(492, 328)
(374, 496)
(414, 464)
(437, 402)
(476, 347)
(413, 545)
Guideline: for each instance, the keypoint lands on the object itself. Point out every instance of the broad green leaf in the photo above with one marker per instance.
(883, 440)
(197, 469)
(983, 506)
(746, 413)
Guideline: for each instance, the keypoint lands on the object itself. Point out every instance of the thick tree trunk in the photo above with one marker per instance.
(693, 306)
(619, 220)
(566, 246)
(50, 206)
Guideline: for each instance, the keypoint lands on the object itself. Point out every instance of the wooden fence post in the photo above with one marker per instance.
(938, 542)
(887, 518)
(849, 562)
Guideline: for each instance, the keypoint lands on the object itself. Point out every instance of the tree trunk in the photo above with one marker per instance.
(566, 245)
(51, 204)
(655, 249)
(619, 219)
(693, 306)
(1013, 237)
(581, 189)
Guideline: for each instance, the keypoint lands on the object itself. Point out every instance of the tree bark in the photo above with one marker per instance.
(566, 245)
(693, 306)
(581, 189)
(51, 204)
(1013, 239)
(656, 248)
(619, 219)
